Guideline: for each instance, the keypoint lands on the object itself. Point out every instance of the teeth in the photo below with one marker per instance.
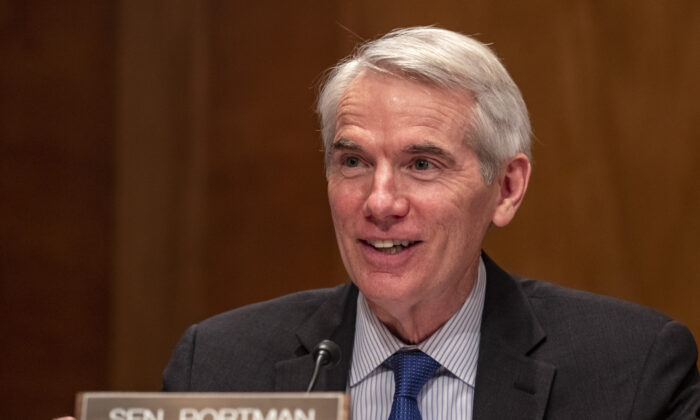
(389, 243)
(382, 244)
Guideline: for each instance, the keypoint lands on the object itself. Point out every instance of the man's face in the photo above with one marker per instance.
(409, 205)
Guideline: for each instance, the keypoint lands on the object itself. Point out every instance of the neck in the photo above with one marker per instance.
(415, 328)
(414, 323)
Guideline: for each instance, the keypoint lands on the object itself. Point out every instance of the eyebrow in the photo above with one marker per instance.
(345, 144)
(427, 148)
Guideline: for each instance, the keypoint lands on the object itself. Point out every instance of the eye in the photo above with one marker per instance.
(351, 161)
(422, 164)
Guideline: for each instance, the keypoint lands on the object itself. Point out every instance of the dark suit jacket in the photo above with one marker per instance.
(545, 352)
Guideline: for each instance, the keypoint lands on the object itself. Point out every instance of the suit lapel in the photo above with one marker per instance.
(509, 383)
(334, 320)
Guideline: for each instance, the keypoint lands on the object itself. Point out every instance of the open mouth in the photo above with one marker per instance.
(390, 246)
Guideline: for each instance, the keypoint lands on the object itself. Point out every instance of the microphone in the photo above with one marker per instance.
(326, 353)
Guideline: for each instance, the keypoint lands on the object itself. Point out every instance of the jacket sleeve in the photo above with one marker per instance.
(669, 387)
(177, 376)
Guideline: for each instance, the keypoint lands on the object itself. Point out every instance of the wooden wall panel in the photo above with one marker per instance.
(159, 158)
(268, 229)
(56, 92)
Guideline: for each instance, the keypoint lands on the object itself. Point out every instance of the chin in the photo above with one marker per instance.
(386, 288)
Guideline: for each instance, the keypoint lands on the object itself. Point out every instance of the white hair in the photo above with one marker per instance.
(499, 127)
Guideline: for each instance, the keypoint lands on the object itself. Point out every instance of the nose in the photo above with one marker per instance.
(385, 204)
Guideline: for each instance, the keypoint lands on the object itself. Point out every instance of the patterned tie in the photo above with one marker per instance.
(412, 369)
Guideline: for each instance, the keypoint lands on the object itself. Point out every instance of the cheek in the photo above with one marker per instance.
(461, 213)
(442, 202)
(344, 202)
(484, 205)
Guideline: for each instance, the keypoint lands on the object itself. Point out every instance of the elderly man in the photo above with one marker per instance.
(426, 141)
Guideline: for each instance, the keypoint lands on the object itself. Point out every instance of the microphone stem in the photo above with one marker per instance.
(317, 368)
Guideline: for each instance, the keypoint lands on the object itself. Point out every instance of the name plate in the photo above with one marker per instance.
(211, 406)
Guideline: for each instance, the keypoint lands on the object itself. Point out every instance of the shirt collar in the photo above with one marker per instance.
(455, 345)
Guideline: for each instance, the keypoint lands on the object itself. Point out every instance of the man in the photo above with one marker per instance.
(426, 140)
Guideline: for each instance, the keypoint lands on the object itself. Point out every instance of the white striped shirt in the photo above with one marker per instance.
(450, 394)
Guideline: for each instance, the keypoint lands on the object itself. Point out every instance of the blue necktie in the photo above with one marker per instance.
(412, 369)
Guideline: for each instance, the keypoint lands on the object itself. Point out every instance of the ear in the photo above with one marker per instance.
(512, 184)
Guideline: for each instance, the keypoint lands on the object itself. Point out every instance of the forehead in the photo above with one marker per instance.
(389, 99)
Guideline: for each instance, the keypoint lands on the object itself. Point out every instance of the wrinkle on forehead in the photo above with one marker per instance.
(440, 105)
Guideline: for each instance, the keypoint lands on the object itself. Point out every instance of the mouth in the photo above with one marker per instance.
(390, 246)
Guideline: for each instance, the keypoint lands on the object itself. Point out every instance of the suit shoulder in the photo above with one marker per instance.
(589, 309)
(628, 356)
(238, 350)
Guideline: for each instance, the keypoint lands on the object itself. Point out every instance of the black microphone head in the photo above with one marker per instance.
(328, 351)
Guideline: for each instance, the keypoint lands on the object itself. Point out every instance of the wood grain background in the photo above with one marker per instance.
(160, 163)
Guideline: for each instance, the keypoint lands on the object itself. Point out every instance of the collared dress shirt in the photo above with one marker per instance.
(450, 394)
